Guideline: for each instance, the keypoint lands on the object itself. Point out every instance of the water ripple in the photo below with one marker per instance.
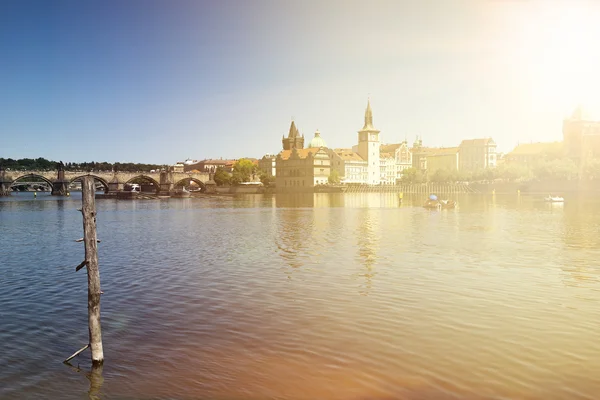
(325, 296)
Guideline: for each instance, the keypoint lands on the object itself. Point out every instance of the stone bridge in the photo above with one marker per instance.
(164, 182)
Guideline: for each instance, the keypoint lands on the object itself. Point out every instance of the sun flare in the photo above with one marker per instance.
(563, 54)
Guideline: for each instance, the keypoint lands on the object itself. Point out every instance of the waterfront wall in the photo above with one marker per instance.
(539, 187)
(240, 189)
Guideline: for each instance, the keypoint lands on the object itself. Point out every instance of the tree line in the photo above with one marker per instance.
(41, 164)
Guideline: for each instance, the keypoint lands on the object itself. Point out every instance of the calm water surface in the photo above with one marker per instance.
(309, 297)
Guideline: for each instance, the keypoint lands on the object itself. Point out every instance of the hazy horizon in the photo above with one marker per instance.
(159, 82)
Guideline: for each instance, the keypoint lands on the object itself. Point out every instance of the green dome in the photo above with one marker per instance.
(317, 141)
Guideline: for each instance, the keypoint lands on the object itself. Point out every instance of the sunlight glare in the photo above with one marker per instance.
(563, 59)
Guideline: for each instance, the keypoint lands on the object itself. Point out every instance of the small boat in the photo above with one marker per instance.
(432, 204)
(448, 203)
(182, 193)
(554, 199)
(439, 204)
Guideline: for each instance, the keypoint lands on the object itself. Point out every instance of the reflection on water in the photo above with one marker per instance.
(293, 230)
(325, 296)
(96, 381)
(95, 378)
(368, 242)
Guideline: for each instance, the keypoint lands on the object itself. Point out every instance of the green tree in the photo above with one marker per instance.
(513, 172)
(464, 176)
(557, 169)
(412, 175)
(334, 177)
(222, 177)
(442, 176)
(266, 179)
(243, 171)
(592, 169)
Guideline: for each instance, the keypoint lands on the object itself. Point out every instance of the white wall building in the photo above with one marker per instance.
(477, 154)
(404, 159)
(268, 164)
(387, 169)
(350, 166)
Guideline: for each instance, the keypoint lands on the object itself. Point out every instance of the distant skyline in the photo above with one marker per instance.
(161, 81)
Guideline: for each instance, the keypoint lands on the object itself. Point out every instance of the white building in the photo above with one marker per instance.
(178, 167)
(404, 159)
(267, 164)
(387, 168)
(402, 156)
(477, 154)
(350, 166)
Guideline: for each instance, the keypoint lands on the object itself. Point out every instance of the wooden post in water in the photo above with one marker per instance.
(91, 256)
(88, 209)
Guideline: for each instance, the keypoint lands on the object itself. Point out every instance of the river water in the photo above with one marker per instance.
(325, 296)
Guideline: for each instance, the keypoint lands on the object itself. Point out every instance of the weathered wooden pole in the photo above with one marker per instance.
(91, 258)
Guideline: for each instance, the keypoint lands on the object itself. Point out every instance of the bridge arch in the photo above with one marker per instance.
(147, 179)
(43, 178)
(96, 178)
(190, 179)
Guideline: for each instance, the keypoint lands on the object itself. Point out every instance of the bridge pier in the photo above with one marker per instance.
(5, 182)
(115, 186)
(166, 183)
(60, 187)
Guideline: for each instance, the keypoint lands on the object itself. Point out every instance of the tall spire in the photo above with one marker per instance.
(294, 139)
(293, 130)
(368, 117)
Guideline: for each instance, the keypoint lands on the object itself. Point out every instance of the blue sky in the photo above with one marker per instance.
(161, 81)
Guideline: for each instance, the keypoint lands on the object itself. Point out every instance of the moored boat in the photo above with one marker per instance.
(182, 193)
(448, 203)
(554, 199)
(433, 204)
(444, 204)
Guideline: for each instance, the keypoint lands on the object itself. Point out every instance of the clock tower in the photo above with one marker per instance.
(368, 147)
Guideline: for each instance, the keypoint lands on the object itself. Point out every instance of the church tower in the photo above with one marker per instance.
(294, 139)
(368, 147)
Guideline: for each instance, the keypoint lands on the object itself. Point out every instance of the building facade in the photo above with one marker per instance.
(300, 170)
(368, 147)
(267, 164)
(178, 167)
(387, 169)
(403, 158)
(529, 154)
(477, 154)
(419, 155)
(581, 135)
(446, 159)
(351, 168)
